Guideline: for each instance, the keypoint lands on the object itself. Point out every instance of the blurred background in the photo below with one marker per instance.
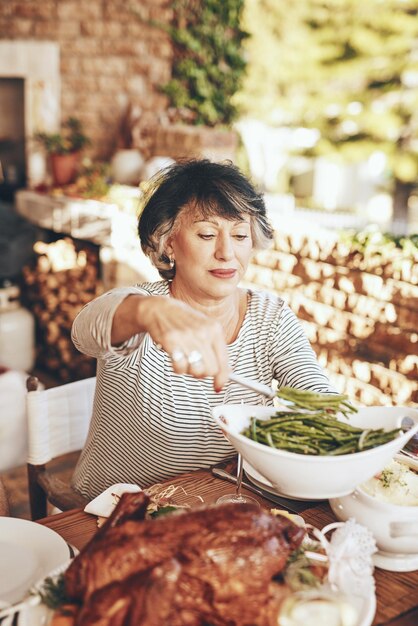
(317, 101)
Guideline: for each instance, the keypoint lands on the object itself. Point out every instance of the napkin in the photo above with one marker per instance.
(105, 502)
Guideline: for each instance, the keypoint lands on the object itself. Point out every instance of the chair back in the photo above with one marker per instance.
(58, 419)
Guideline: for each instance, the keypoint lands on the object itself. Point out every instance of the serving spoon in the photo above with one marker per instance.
(254, 385)
(262, 389)
(411, 447)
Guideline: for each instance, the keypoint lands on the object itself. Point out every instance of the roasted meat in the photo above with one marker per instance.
(210, 566)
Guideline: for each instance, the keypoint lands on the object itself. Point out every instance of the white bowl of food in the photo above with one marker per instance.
(388, 505)
(309, 476)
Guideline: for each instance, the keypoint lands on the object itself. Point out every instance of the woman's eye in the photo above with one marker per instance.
(241, 237)
(206, 236)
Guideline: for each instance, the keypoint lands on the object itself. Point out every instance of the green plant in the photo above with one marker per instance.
(93, 180)
(208, 62)
(372, 242)
(70, 139)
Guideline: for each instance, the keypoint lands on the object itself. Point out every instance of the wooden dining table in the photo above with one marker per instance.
(396, 592)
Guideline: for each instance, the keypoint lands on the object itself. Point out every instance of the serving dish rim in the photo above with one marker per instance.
(311, 458)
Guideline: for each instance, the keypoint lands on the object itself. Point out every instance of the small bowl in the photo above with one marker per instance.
(308, 476)
(394, 526)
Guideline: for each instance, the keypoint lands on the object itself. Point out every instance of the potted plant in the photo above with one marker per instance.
(64, 150)
(208, 67)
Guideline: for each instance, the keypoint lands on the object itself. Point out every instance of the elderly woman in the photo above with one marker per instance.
(165, 349)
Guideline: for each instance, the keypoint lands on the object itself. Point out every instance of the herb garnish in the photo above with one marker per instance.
(387, 478)
(53, 592)
(303, 573)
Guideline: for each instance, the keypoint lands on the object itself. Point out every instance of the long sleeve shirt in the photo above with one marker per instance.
(150, 423)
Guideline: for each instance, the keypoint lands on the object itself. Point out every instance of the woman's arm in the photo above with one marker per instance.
(294, 361)
(132, 317)
(92, 328)
(116, 322)
(175, 326)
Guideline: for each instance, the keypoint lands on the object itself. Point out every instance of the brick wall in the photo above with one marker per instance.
(360, 312)
(107, 55)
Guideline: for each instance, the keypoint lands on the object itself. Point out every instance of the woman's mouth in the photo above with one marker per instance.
(223, 273)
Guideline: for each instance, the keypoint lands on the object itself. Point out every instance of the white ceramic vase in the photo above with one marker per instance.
(126, 166)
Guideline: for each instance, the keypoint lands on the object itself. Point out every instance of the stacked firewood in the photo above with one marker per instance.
(359, 309)
(63, 278)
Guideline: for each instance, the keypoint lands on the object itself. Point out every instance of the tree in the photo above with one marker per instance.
(346, 67)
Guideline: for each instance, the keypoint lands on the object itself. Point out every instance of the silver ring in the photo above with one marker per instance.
(177, 355)
(194, 357)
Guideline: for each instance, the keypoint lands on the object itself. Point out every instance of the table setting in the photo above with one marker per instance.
(38, 547)
(365, 549)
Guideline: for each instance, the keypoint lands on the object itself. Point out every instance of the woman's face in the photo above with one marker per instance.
(211, 253)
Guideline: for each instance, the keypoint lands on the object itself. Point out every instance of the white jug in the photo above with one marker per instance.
(17, 331)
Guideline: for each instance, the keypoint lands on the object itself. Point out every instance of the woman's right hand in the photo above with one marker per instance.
(194, 341)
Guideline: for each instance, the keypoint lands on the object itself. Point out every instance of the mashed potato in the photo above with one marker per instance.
(396, 484)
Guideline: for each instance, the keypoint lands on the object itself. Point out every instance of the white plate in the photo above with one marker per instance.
(259, 481)
(366, 608)
(396, 562)
(32, 551)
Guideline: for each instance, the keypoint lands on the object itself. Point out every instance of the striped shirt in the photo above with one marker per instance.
(149, 423)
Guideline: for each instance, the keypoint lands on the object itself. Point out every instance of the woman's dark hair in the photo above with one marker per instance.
(211, 189)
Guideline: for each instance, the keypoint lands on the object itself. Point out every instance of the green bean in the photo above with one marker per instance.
(343, 450)
(311, 400)
(314, 433)
(254, 429)
(270, 440)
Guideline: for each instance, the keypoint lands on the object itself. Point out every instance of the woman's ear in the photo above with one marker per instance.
(168, 249)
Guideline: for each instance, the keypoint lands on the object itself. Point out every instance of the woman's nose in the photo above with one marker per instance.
(224, 248)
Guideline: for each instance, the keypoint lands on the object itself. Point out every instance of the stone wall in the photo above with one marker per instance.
(108, 56)
(360, 312)
(178, 140)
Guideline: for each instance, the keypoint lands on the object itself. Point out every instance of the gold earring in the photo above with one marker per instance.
(171, 263)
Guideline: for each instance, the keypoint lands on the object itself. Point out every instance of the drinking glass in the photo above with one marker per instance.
(318, 606)
(238, 497)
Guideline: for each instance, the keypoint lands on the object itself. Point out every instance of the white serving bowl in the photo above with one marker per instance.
(394, 527)
(314, 477)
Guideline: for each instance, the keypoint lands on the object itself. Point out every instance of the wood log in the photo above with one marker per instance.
(55, 297)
